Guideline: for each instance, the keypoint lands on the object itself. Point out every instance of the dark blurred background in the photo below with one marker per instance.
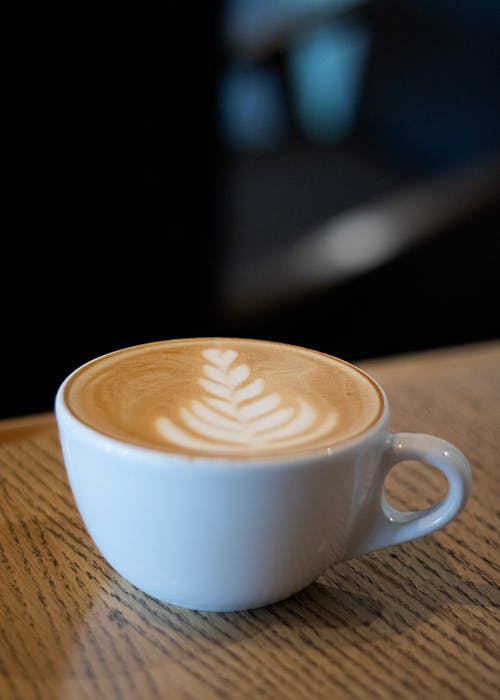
(325, 173)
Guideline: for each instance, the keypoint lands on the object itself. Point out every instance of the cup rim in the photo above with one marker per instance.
(65, 414)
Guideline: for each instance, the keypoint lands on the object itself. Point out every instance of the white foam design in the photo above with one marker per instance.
(237, 417)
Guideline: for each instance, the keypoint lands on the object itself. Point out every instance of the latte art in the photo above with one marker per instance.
(235, 415)
(223, 397)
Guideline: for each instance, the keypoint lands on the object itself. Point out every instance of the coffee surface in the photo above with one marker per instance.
(224, 397)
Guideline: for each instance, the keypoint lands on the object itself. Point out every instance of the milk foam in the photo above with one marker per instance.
(224, 397)
(234, 415)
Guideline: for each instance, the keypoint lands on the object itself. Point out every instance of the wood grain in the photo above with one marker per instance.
(420, 620)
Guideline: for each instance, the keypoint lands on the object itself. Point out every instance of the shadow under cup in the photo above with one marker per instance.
(225, 533)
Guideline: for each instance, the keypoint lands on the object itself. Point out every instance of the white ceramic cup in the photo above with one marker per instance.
(226, 534)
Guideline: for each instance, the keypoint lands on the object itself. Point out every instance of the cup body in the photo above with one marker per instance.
(222, 533)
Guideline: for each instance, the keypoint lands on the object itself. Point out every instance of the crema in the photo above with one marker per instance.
(224, 397)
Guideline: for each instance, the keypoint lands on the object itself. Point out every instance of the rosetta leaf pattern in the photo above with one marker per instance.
(236, 415)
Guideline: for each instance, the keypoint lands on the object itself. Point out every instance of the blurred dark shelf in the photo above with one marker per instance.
(444, 292)
(272, 199)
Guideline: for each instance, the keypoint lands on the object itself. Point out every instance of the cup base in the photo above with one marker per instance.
(220, 607)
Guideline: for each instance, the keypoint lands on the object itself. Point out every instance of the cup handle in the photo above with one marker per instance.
(392, 526)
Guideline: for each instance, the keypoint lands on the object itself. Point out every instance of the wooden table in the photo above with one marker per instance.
(419, 620)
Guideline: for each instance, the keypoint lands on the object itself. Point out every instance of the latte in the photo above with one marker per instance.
(224, 397)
